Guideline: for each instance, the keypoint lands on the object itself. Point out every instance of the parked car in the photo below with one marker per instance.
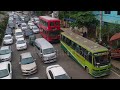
(8, 31)
(28, 32)
(28, 64)
(23, 26)
(56, 72)
(8, 39)
(21, 44)
(5, 53)
(35, 29)
(5, 70)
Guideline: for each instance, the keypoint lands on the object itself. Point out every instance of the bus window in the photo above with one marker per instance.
(77, 49)
(57, 23)
(68, 42)
(51, 23)
(73, 45)
(89, 57)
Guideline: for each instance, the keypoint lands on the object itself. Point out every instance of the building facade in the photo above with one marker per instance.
(108, 16)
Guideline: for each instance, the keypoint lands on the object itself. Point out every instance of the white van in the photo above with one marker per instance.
(18, 34)
(45, 50)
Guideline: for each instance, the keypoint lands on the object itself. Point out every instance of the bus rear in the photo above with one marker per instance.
(50, 28)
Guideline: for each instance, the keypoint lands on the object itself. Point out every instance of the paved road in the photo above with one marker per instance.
(71, 67)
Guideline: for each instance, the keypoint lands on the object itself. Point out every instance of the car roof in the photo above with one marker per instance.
(44, 44)
(4, 65)
(4, 47)
(57, 70)
(26, 55)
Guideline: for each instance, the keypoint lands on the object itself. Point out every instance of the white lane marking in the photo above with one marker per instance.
(115, 73)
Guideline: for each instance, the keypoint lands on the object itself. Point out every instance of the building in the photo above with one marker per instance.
(108, 16)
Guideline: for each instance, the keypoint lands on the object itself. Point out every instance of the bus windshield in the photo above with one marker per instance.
(101, 60)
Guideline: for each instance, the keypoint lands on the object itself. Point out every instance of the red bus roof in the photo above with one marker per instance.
(47, 18)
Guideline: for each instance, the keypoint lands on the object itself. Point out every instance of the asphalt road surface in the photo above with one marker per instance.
(73, 69)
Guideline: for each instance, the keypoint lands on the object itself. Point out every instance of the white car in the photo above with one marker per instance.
(35, 29)
(5, 70)
(5, 53)
(21, 44)
(19, 34)
(23, 26)
(28, 64)
(31, 25)
(8, 39)
(22, 18)
(56, 72)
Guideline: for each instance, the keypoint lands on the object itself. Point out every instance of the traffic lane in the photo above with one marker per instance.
(71, 67)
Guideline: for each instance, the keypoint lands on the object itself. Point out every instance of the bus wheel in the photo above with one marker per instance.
(87, 70)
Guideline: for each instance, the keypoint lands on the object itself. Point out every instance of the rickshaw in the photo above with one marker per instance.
(32, 39)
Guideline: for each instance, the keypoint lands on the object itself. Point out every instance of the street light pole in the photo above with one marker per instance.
(100, 39)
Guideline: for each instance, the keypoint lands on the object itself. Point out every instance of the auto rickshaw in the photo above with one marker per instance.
(32, 39)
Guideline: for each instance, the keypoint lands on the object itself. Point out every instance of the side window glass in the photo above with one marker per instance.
(9, 68)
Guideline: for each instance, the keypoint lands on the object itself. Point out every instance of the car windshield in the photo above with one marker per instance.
(101, 60)
(48, 51)
(29, 32)
(7, 37)
(63, 76)
(35, 28)
(6, 51)
(4, 73)
(24, 26)
(20, 41)
(19, 33)
(27, 60)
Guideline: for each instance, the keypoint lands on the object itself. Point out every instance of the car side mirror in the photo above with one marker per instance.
(19, 62)
(34, 59)
(41, 53)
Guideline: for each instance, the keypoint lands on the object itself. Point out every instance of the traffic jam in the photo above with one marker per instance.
(36, 48)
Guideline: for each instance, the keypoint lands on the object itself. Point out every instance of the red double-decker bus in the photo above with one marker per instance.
(50, 28)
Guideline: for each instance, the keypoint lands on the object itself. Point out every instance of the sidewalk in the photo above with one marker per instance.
(116, 65)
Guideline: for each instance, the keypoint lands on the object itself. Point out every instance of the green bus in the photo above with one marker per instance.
(92, 56)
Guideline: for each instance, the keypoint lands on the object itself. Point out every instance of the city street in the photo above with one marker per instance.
(71, 67)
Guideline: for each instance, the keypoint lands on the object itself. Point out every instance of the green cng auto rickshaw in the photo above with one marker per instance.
(32, 39)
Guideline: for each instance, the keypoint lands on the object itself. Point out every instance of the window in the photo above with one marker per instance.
(73, 45)
(68, 42)
(57, 23)
(51, 23)
(118, 12)
(107, 12)
(51, 75)
(78, 48)
(90, 58)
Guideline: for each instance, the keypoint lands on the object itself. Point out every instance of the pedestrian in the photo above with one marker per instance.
(85, 34)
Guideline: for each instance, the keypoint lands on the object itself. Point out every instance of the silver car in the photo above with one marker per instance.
(5, 53)
(28, 64)
(8, 39)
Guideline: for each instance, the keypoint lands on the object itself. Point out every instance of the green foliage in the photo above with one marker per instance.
(83, 18)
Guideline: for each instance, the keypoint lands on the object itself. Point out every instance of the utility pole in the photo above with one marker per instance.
(100, 39)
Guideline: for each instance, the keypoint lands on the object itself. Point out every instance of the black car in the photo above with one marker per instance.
(9, 31)
(28, 32)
